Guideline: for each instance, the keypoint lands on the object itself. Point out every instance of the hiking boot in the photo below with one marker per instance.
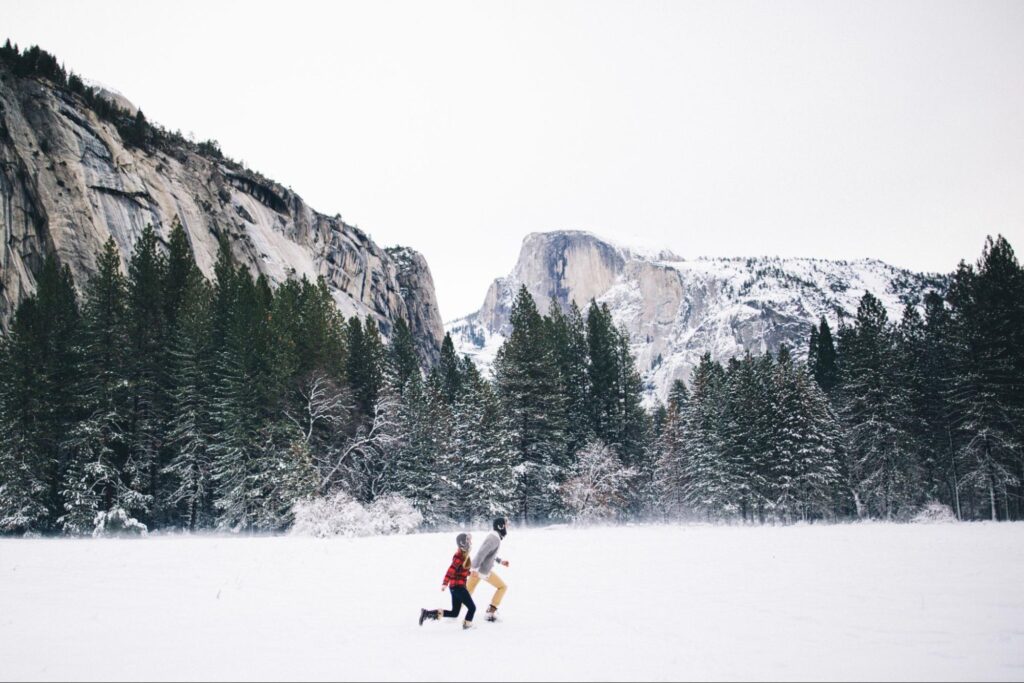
(466, 625)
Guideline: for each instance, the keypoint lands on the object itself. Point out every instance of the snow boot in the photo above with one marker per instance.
(429, 614)
(492, 614)
(466, 625)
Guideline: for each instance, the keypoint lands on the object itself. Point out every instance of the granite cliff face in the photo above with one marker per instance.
(68, 181)
(676, 309)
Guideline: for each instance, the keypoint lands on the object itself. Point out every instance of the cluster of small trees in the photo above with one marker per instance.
(756, 440)
(135, 130)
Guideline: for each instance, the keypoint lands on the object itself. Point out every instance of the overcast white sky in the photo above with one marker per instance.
(837, 130)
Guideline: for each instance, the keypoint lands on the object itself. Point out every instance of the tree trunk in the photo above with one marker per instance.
(956, 482)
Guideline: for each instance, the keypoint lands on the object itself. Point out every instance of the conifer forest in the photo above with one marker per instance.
(193, 404)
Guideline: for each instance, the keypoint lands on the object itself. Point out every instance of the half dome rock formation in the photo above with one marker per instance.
(71, 177)
(675, 309)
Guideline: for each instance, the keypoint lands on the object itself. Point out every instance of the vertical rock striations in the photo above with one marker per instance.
(68, 181)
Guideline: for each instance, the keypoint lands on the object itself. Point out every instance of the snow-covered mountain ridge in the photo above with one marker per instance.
(675, 309)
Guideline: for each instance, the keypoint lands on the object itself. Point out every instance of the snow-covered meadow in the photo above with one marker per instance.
(859, 601)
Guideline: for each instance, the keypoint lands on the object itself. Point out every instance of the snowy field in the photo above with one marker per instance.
(868, 601)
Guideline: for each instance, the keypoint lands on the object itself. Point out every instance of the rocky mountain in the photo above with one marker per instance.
(675, 309)
(70, 178)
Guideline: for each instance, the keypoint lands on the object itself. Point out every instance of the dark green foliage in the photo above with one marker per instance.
(821, 358)
(193, 405)
(403, 363)
(529, 385)
(40, 367)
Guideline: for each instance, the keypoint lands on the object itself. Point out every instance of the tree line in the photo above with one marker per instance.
(193, 404)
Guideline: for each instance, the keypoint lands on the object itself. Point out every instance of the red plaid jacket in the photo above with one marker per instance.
(458, 572)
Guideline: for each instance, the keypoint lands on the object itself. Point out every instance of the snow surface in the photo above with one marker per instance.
(860, 601)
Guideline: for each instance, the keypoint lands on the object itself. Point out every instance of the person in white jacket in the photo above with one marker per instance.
(483, 564)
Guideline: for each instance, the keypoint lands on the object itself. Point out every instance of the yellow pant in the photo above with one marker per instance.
(492, 579)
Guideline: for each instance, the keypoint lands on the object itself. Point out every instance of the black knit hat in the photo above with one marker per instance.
(500, 526)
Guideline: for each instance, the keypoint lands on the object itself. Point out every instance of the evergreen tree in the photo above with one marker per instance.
(706, 480)
(41, 361)
(449, 371)
(189, 494)
(533, 399)
(882, 462)
(364, 363)
(567, 337)
(482, 451)
(823, 358)
(97, 446)
(403, 363)
(146, 364)
(988, 311)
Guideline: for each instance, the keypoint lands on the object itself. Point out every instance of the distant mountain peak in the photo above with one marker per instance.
(675, 309)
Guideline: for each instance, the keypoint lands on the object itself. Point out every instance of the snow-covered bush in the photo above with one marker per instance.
(341, 515)
(934, 513)
(394, 514)
(597, 484)
(117, 522)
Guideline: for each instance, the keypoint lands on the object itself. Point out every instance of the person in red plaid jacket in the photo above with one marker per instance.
(455, 582)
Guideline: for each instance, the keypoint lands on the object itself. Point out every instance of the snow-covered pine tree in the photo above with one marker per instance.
(482, 451)
(988, 312)
(422, 462)
(937, 411)
(743, 479)
(882, 463)
(707, 485)
(23, 458)
(236, 409)
(40, 368)
(145, 361)
(529, 386)
(670, 466)
(95, 446)
(188, 497)
(567, 334)
(804, 459)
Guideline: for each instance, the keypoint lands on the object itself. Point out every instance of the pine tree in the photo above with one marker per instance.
(567, 337)
(146, 364)
(531, 393)
(482, 451)
(449, 371)
(364, 363)
(96, 445)
(424, 469)
(189, 494)
(882, 461)
(403, 363)
(804, 468)
(988, 313)
(703, 472)
(41, 362)
(825, 370)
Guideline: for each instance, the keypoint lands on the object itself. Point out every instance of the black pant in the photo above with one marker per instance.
(460, 597)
